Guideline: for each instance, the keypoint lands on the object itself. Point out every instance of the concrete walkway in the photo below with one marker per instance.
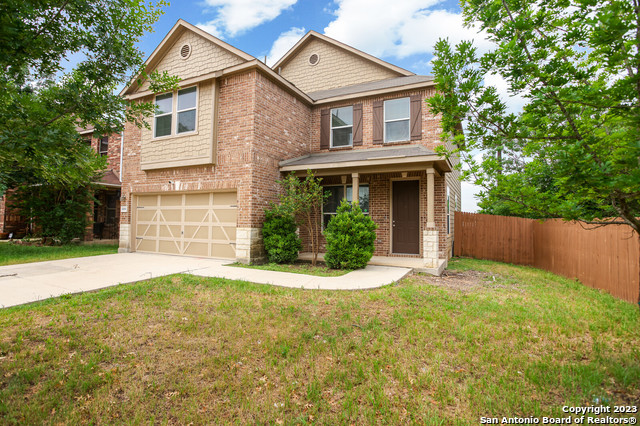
(31, 282)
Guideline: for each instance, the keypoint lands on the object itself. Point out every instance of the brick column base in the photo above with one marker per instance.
(249, 247)
(430, 246)
(125, 239)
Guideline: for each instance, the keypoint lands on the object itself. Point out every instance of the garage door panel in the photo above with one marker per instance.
(172, 215)
(197, 249)
(146, 215)
(198, 232)
(194, 200)
(146, 245)
(170, 247)
(223, 250)
(198, 224)
(225, 198)
(196, 215)
(147, 230)
(148, 200)
(170, 231)
(170, 200)
(223, 233)
(228, 216)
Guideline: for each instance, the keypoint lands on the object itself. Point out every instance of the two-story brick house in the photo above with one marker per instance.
(197, 182)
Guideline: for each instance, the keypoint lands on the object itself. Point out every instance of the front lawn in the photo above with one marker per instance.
(488, 340)
(320, 270)
(11, 254)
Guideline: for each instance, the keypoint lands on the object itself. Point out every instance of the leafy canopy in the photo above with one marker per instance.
(41, 104)
(574, 150)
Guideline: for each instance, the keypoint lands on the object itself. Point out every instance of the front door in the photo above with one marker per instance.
(406, 216)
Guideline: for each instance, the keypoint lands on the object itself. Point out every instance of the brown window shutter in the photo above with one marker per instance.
(325, 128)
(357, 125)
(416, 117)
(378, 118)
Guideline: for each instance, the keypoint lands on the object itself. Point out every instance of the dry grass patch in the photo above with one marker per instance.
(186, 349)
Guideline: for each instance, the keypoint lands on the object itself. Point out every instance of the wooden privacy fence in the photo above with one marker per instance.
(606, 258)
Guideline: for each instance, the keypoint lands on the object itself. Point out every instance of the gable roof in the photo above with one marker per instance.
(313, 34)
(178, 29)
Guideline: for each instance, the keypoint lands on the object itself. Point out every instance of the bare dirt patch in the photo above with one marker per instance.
(464, 281)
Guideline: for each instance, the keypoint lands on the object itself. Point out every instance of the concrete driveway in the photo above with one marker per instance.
(31, 282)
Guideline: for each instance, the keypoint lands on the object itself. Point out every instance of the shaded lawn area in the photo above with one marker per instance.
(320, 270)
(11, 254)
(490, 340)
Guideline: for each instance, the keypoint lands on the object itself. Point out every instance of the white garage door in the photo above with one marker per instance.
(191, 224)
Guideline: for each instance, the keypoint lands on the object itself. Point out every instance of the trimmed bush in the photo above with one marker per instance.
(281, 242)
(350, 237)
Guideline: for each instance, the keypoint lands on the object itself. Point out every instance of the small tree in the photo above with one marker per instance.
(304, 199)
(350, 238)
(281, 242)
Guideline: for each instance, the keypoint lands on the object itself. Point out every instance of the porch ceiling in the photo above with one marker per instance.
(374, 160)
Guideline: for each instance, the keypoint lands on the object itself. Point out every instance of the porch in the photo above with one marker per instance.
(403, 191)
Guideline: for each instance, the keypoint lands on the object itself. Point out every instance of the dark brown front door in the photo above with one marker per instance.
(406, 217)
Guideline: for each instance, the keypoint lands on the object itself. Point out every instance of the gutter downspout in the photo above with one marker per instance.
(121, 153)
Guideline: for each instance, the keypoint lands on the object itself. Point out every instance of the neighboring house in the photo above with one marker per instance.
(106, 214)
(198, 181)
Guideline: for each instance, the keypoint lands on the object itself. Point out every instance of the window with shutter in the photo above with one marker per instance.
(341, 127)
(397, 120)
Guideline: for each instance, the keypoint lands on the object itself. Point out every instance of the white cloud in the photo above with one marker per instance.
(469, 200)
(285, 41)
(211, 28)
(404, 28)
(234, 17)
(514, 102)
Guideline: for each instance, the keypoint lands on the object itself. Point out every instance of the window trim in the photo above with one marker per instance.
(174, 114)
(345, 186)
(331, 128)
(385, 121)
(100, 151)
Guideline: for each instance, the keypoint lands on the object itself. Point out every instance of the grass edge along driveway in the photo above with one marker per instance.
(498, 340)
(13, 254)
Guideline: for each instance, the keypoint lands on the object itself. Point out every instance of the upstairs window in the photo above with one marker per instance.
(164, 113)
(103, 148)
(187, 110)
(180, 109)
(342, 127)
(397, 120)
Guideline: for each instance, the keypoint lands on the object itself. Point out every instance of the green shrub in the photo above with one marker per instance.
(350, 238)
(281, 242)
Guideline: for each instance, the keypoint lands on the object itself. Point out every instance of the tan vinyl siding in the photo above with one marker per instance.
(205, 57)
(336, 68)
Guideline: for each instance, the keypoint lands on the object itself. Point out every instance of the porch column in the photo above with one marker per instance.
(431, 217)
(355, 184)
(430, 240)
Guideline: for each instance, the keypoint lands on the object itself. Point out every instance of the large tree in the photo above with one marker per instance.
(43, 96)
(574, 150)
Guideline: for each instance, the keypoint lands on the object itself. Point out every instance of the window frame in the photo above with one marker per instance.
(174, 113)
(331, 128)
(345, 186)
(385, 121)
(106, 142)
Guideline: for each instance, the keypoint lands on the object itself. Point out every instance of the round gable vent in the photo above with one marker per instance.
(185, 51)
(314, 59)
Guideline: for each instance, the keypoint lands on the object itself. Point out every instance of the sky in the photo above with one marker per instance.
(401, 32)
